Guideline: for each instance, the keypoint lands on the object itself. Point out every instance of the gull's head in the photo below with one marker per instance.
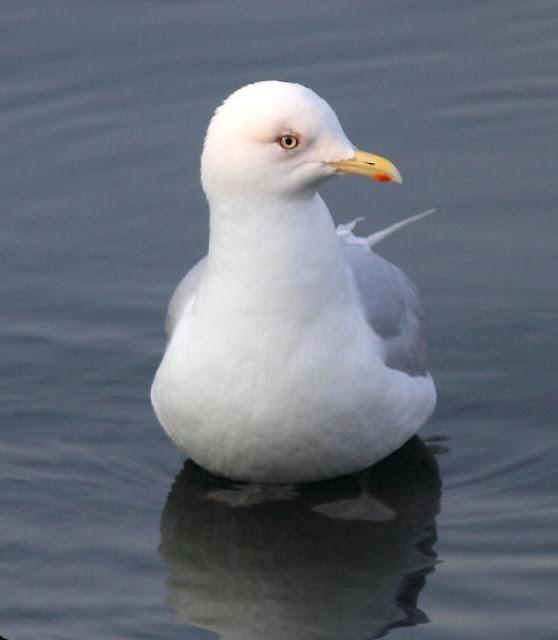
(281, 139)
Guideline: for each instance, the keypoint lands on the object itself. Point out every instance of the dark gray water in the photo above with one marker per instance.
(103, 107)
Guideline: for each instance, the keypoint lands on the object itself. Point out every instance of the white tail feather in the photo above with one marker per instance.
(374, 238)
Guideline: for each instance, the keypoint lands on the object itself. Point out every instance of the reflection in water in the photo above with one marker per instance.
(345, 558)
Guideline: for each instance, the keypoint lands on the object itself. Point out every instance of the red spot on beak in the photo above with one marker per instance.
(383, 177)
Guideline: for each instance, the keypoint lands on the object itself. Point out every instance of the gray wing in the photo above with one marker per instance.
(392, 307)
(184, 294)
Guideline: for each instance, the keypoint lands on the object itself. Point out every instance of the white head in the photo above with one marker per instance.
(279, 138)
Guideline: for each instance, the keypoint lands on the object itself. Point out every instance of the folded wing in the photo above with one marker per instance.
(392, 307)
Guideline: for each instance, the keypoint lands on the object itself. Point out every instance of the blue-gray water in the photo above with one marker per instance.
(103, 108)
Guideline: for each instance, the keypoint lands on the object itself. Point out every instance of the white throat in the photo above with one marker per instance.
(269, 261)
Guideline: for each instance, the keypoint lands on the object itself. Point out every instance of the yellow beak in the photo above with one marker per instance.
(367, 164)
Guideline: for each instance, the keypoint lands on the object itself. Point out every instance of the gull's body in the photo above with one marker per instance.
(295, 353)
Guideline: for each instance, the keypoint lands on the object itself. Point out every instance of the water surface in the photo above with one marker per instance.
(103, 533)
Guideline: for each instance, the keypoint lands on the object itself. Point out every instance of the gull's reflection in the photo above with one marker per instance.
(345, 558)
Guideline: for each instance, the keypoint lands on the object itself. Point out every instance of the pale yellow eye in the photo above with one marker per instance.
(288, 142)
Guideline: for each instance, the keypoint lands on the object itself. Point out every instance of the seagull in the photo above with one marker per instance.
(295, 353)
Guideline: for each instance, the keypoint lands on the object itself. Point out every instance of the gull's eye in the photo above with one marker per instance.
(288, 142)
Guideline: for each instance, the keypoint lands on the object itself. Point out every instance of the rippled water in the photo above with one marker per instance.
(103, 107)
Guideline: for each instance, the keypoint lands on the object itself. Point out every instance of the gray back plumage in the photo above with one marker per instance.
(392, 308)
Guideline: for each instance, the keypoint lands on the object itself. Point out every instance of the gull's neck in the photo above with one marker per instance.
(273, 258)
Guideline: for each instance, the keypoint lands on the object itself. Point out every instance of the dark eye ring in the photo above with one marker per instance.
(288, 142)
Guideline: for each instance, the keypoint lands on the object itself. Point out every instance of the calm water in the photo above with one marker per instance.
(104, 534)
